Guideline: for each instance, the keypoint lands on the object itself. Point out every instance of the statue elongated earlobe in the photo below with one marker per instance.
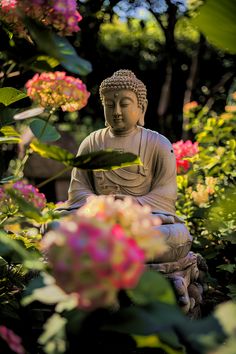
(106, 124)
(141, 118)
(141, 121)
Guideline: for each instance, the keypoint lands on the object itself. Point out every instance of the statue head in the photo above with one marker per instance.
(123, 84)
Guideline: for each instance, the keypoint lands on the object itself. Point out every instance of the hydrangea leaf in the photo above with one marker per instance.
(105, 160)
(100, 160)
(160, 290)
(9, 95)
(58, 48)
(216, 19)
(52, 152)
(44, 131)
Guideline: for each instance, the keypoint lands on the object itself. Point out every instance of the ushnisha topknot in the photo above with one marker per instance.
(124, 79)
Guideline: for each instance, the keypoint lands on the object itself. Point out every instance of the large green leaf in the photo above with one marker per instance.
(52, 152)
(44, 131)
(105, 160)
(58, 48)
(160, 290)
(7, 115)
(216, 19)
(171, 325)
(9, 95)
(100, 160)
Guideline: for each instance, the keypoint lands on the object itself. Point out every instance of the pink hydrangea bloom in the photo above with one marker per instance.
(61, 15)
(13, 341)
(27, 191)
(31, 194)
(56, 89)
(92, 259)
(182, 150)
(136, 220)
(9, 15)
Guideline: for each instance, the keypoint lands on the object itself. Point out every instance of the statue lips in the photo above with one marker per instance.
(118, 120)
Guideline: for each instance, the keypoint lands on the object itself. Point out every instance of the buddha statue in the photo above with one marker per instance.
(124, 99)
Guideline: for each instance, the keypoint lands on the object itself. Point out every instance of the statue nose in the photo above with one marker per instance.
(117, 111)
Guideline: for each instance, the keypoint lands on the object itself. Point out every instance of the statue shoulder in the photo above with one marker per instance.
(154, 136)
(159, 142)
(166, 147)
(94, 141)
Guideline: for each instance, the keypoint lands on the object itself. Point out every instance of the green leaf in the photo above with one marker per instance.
(226, 314)
(12, 247)
(153, 341)
(42, 63)
(52, 152)
(44, 131)
(7, 115)
(146, 320)
(216, 19)
(227, 267)
(9, 95)
(53, 336)
(160, 289)
(29, 113)
(58, 48)
(8, 179)
(9, 140)
(232, 291)
(105, 160)
(9, 131)
(44, 289)
(99, 160)
(171, 325)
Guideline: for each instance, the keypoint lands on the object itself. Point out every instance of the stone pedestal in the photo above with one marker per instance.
(187, 275)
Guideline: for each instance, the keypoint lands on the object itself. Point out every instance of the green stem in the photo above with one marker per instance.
(1, 222)
(46, 122)
(29, 151)
(54, 177)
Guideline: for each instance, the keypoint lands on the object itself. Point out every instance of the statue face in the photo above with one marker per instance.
(121, 110)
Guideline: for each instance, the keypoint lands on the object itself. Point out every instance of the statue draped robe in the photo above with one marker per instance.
(153, 183)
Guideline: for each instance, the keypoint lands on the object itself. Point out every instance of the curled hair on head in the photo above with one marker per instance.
(124, 79)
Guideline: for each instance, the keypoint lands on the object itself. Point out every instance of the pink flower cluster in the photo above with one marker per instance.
(13, 341)
(31, 194)
(93, 260)
(61, 15)
(136, 220)
(9, 15)
(182, 151)
(27, 191)
(56, 89)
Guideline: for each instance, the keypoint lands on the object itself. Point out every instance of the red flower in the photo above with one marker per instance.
(182, 151)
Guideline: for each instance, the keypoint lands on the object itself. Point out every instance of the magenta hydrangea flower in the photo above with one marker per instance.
(61, 15)
(27, 191)
(136, 220)
(56, 89)
(182, 150)
(9, 15)
(92, 259)
(13, 340)
(31, 194)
